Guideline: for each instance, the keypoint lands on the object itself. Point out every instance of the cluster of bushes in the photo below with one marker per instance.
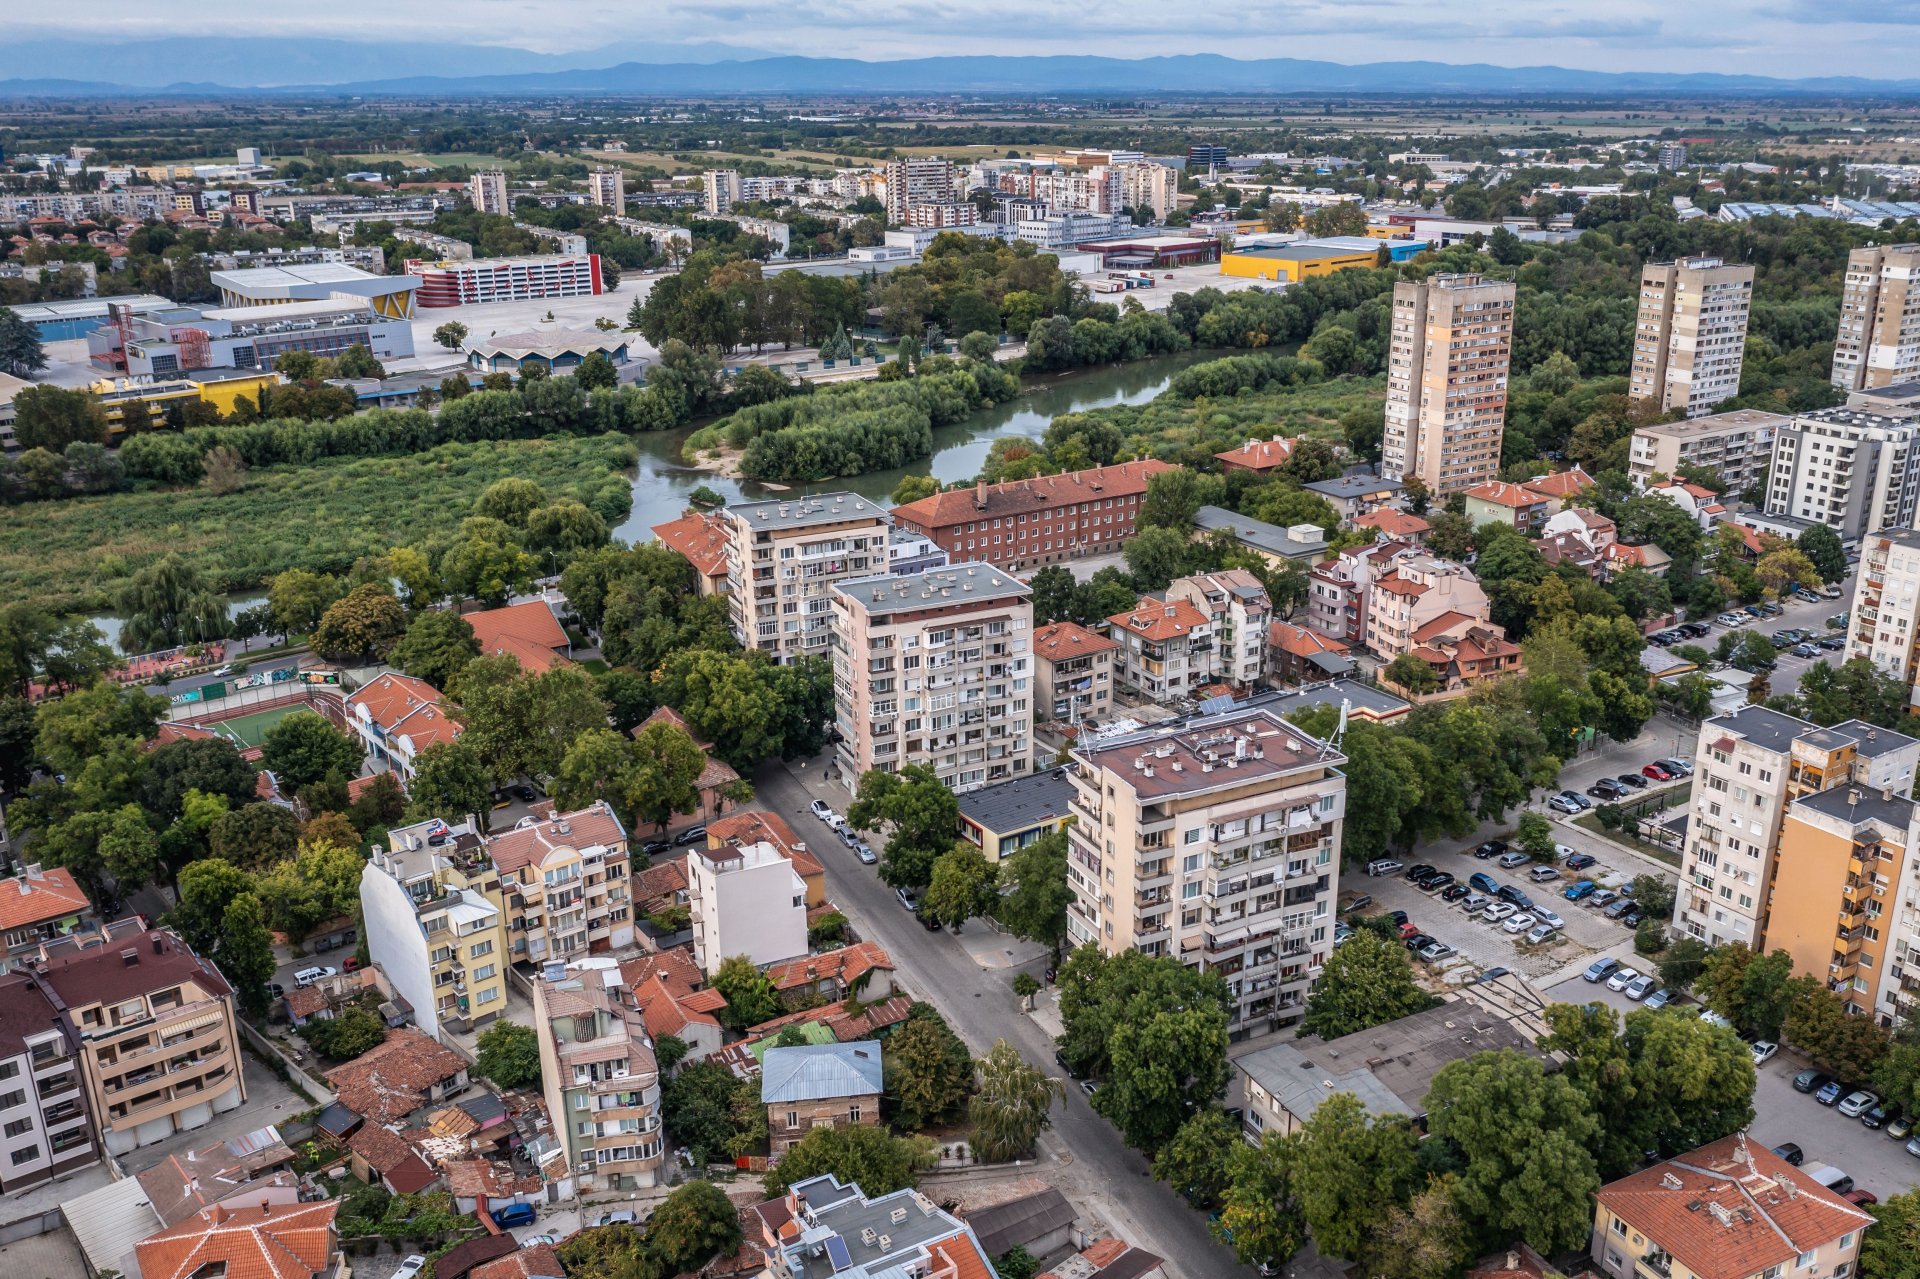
(1102, 336)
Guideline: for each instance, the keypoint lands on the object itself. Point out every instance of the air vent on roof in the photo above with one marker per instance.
(129, 956)
(1670, 1181)
(1720, 1213)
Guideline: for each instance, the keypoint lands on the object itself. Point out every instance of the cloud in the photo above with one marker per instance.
(1880, 13)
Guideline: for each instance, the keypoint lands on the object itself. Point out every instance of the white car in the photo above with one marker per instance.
(1563, 851)
(821, 809)
(319, 972)
(1518, 923)
(1548, 918)
(1622, 978)
(1763, 1051)
(1499, 911)
(1858, 1104)
(410, 1267)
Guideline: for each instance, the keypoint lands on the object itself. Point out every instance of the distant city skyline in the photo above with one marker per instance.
(1784, 38)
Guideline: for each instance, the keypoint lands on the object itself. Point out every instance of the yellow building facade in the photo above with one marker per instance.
(1290, 263)
(118, 395)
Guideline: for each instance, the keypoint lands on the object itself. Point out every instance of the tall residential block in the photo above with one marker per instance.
(1878, 343)
(436, 925)
(488, 192)
(45, 1131)
(1215, 841)
(1854, 471)
(914, 181)
(719, 188)
(1152, 188)
(1447, 364)
(566, 884)
(745, 899)
(1736, 445)
(1885, 627)
(782, 558)
(608, 189)
(1690, 334)
(934, 668)
(598, 1075)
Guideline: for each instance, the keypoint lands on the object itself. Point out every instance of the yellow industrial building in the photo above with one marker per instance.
(222, 388)
(1290, 263)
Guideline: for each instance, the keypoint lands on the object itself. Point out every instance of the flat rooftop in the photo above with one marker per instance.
(298, 274)
(1306, 252)
(805, 512)
(1018, 804)
(1714, 423)
(1212, 752)
(935, 588)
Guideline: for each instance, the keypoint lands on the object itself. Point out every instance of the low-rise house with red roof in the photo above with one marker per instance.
(1109, 1258)
(39, 906)
(1729, 1210)
(763, 826)
(1261, 457)
(1617, 558)
(527, 632)
(269, 1239)
(1026, 523)
(398, 717)
(1697, 500)
(380, 1156)
(863, 969)
(181, 1185)
(1502, 502)
(398, 1080)
(1385, 521)
(1565, 488)
(1165, 648)
(717, 784)
(700, 538)
(566, 884)
(483, 1185)
(1072, 673)
(672, 997)
(660, 887)
(1300, 655)
(1462, 652)
(1420, 589)
(535, 1261)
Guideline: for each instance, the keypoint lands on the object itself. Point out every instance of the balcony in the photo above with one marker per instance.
(1656, 1264)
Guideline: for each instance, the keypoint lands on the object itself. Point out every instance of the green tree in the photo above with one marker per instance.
(210, 767)
(928, 1073)
(1367, 982)
(1411, 673)
(451, 336)
(1169, 1061)
(1891, 1250)
(963, 885)
(661, 780)
(1424, 1238)
(320, 882)
(299, 598)
(304, 748)
(751, 998)
(1845, 1046)
(1682, 963)
(1821, 546)
(1534, 835)
(1194, 1163)
(254, 836)
(245, 953)
(1011, 1105)
(1034, 892)
(205, 888)
(920, 814)
(1173, 496)
(51, 418)
(696, 1105)
(20, 352)
(509, 1055)
(880, 1162)
(693, 1225)
(360, 627)
(449, 780)
(1752, 991)
(437, 646)
(1349, 1169)
(167, 604)
(596, 371)
(1260, 1217)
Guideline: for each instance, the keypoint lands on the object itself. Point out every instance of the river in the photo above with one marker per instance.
(662, 481)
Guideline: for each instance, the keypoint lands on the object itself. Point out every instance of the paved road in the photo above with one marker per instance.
(171, 688)
(980, 1006)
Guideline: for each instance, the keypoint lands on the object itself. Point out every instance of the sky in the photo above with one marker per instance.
(1787, 38)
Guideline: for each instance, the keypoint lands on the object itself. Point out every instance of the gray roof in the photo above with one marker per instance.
(1871, 740)
(1770, 730)
(1389, 1068)
(1008, 1225)
(1658, 661)
(835, 1208)
(1775, 731)
(1332, 693)
(1257, 533)
(1018, 804)
(817, 1072)
(1351, 485)
(802, 512)
(1859, 804)
(961, 584)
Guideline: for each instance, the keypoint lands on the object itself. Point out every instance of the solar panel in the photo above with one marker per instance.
(1214, 705)
(837, 1254)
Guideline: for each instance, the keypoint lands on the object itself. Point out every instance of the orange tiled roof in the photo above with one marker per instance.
(391, 1157)
(403, 704)
(1259, 455)
(528, 1263)
(963, 1255)
(1064, 640)
(1732, 1209)
(1501, 493)
(846, 965)
(1302, 642)
(28, 899)
(532, 621)
(960, 506)
(1159, 619)
(756, 825)
(1562, 484)
(251, 1241)
(700, 537)
(1448, 621)
(589, 827)
(391, 1079)
(1394, 523)
(661, 882)
(535, 659)
(1395, 584)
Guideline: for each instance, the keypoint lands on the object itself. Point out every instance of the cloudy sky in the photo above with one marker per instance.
(1767, 37)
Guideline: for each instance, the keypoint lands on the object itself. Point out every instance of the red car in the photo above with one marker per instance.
(1657, 773)
(1861, 1198)
(1407, 930)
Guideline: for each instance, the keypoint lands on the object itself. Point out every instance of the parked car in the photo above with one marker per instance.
(1492, 848)
(1659, 998)
(1539, 933)
(1408, 931)
(1475, 903)
(410, 1266)
(1601, 968)
(1733, 619)
(1385, 866)
(1567, 802)
(1416, 941)
(1489, 975)
(1415, 871)
(1877, 1117)
(691, 835)
(1900, 1127)
(1622, 978)
(1497, 911)
(1765, 610)
(1518, 924)
(1858, 1104)
(1805, 650)
(1542, 874)
(1861, 1198)
(1830, 1092)
(1508, 893)
(1831, 643)
(1632, 916)
(1089, 1086)
(1809, 1080)
(1585, 888)
(1580, 861)
(1840, 621)
(1678, 767)
(1632, 780)
(907, 899)
(1913, 1147)
(846, 836)
(1397, 916)
(1657, 773)
(1547, 917)
(655, 847)
(512, 1215)
(821, 809)
(1454, 892)
(1607, 789)
(1790, 1153)
(1618, 907)
(1435, 951)
(319, 972)
(866, 854)
(619, 1217)
(1763, 1051)
(1359, 903)
(1439, 879)
(1510, 860)
(1484, 882)
(1603, 897)
(1640, 987)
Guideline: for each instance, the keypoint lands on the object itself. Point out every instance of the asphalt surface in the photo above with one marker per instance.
(172, 688)
(980, 1006)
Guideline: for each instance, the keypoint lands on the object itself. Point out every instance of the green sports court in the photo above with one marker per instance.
(249, 730)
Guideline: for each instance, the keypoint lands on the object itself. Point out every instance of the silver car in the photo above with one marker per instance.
(1539, 933)
(1640, 987)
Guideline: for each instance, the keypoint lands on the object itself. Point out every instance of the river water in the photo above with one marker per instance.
(662, 481)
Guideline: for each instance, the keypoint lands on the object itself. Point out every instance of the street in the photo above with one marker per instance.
(173, 688)
(981, 1007)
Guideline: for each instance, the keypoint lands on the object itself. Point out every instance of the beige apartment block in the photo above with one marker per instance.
(488, 192)
(1690, 335)
(1073, 673)
(1878, 343)
(1885, 628)
(567, 885)
(1736, 445)
(1447, 365)
(608, 189)
(1237, 602)
(1215, 841)
(934, 668)
(599, 1076)
(919, 181)
(1420, 589)
(436, 923)
(159, 1045)
(719, 188)
(783, 556)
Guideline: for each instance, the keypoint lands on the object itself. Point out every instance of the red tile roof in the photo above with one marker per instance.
(959, 506)
(99, 974)
(1259, 455)
(244, 1241)
(1562, 484)
(1302, 642)
(1732, 1209)
(1441, 625)
(402, 704)
(390, 1080)
(1394, 523)
(755, 825)
(39, 896)
(846, 966)
(392, 1158)
(1065, 640)
(1159, 619)
(701, 537)
(528, 1263)
(1395, 584)
(666, 990)
(532, 621)
(589, 827)
(1501, 493)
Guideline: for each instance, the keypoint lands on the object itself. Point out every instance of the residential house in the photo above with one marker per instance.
(1340, 590)
(1566, 488)
(436, 922)
(180, 1185)
(1073, 673)
(1420, 589)
(717, 783)
(1619, 556)
(1730, 1210)
(660, 887)
(535, 1261)
(1697, 500)
(903, 1233)
(1386, 522)
(277, 1237)
(1001, 820)
(1503, 502)
(1237, 602)
(673, 998)
(1108, 1258)
(1297, 655)
(140, 991)
(1352, 496)
(380, 1156)
(465, 1259)
(1166, 648)
(599, 1076)
(528, 632)
(398, 1079)
(1593, 528)
(1463, 652)
(490, 1185)
(1036, 1217)
(700, 538)
(48, 1132)
(1302, 544)
(38, 906)
(746, 899)
(566, 884)
(763, 826)
(1261, 457)
(819, 1086)
(397, 717)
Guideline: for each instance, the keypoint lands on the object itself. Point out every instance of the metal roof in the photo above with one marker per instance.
(817, 1072)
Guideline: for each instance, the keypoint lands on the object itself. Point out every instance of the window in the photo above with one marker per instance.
(1191, 836)
(1620, 1227)
(479, 949)
(25, 1155)
(18, 1127)
(793, 1119)
(1806, 1259)
(9, 1100)
(853, 1113)
(487, 995)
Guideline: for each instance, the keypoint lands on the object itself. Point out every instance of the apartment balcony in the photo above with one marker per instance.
(1655, 1265)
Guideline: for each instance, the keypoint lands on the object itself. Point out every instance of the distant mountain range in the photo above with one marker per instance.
(257, 64)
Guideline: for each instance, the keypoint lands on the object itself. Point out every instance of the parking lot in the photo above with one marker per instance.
(1795, 614)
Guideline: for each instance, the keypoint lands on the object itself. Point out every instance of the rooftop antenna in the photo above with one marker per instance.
(1340, 730)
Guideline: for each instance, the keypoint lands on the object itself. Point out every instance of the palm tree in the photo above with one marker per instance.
(1009, 1112)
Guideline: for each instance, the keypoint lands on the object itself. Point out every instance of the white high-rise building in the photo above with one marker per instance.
(720, 189)
(1691, 333)
(608, 189)
(1878, 343)
(488, 192)
(911, 182)
(1855, 472)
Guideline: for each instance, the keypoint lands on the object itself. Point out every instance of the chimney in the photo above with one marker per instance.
(263, 1208)
(1853, 797)
(980, 494)
(158, 947)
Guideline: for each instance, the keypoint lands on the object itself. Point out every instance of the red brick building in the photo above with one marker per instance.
(1026, 523)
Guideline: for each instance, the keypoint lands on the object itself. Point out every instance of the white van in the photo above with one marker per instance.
(1828, 1176)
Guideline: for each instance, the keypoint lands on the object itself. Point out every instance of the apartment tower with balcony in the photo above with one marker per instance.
(1447, 362)
(784, 556)
(45, 1130)
(934, 668)
(599, 1076)
(1885, 625)
(608, 189)
(1878, 342)
(1690, 335)
(436, 923)
(487, 191)
(1215, 841)
(567, 885)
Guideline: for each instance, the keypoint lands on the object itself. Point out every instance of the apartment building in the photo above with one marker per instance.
(38, 906)
(488, 192)
(719, 190)
(700, 538)
(826, 1227)
(608, 189)
(158, 1043)
(567, 884)
(1878, 343)
(1152, 188)
(1885, 625)
(1855, 472)
(1690, 334)
(1729, 1210)
(1072, 673)
(919, 181)
(783, 556)
(45, 1130)
(1023, 524)
(599, 1076)
(1447, 362)
(1166, 648)
(1736, 445)
(1340, 590)
(745, 899)
(436, 923)
(1750, 765)
(1237, 603)
(1214, 840)
(935, 669)
(1421, 588)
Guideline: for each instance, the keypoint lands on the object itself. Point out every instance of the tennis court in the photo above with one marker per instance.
(250, 730)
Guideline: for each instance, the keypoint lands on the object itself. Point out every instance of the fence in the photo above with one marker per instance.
(295, 1074)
